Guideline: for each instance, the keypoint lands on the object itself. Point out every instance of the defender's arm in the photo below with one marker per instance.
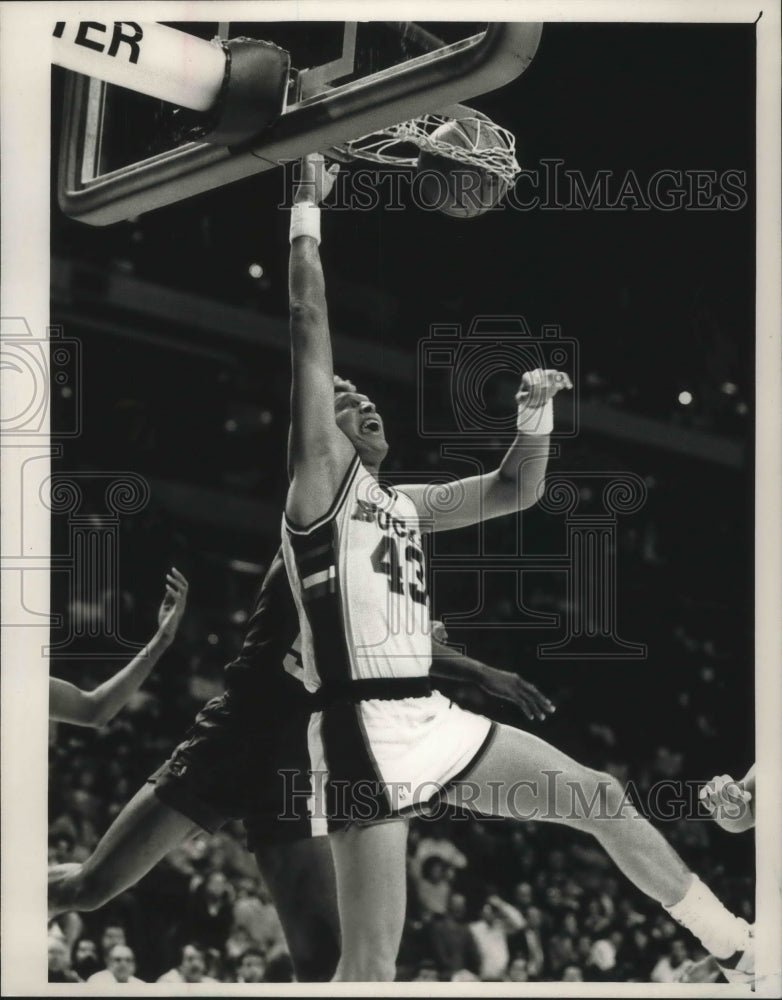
(67, 703)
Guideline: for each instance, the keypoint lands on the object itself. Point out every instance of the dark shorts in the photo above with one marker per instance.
(233, 766)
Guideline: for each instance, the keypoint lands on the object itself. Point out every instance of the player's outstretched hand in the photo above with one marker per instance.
(539, 386)
(315, 181)
(173, 607)
(511, 688)
(724, 793)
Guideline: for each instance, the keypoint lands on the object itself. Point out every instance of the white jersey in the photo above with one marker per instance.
(358, 577)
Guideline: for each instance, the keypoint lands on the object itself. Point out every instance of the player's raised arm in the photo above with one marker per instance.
(518, 480)
(67, 703)
(731, 802)
(318, 453)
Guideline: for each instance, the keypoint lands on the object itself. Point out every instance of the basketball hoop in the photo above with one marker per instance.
(490, 147)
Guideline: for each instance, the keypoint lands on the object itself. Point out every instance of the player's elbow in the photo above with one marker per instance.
(531, 490)
(512, 495)
(98, 712)
(306, 315)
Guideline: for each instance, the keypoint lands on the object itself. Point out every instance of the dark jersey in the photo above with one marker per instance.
(246, 755)
(266, 673)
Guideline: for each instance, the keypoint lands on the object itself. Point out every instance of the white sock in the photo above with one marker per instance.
(720, 931)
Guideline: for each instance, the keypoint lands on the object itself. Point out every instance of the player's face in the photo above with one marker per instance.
(360, 422)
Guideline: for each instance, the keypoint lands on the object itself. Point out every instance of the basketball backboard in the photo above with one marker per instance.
(124, 153)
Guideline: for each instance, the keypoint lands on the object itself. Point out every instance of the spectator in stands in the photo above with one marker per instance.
(601, 966)
(251, 967)
(255, 913)
(598, 916)
(583, 948)
(437, 843)
(237, 943)
(209, 916)
(84, 958)
(112, 934)
(523, 895)
(572, 974)
(68, 927)
(498, 921)
(450, 940)
(635, 957)
(191, 967)
(518, 970)
(667, 968)
(535, 918)
(120, 968)
(61, 845)
(560, 953)
(557, 903)
(59, 959)
(433, 887)
(214, 964)
(527, 944)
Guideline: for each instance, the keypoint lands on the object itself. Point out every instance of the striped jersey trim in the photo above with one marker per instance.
(320, 577)
(295, 529)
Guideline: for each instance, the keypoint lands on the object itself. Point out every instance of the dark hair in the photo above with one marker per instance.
(86, 966)
(81, 939)
(429, 864)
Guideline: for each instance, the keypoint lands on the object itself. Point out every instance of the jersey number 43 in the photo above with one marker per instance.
(405, 573)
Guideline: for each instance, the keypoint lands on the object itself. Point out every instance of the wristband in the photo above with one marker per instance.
(305, 221)
(535, 419)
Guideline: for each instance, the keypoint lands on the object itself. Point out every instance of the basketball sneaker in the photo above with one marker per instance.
(740, 967)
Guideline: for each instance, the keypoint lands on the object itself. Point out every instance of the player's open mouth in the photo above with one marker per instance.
(372, 425)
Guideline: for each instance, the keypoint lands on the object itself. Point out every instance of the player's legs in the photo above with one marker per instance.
(300, 877)
(521, 776)
(143, 833)
(369, 864)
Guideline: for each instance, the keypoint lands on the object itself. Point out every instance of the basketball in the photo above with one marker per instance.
(461, 190)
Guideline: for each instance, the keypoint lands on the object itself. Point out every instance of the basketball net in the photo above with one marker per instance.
(387, 145)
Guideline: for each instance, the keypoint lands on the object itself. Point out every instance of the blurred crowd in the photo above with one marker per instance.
(489, 900)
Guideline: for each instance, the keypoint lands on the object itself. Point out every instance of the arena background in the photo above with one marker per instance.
(184, 382)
